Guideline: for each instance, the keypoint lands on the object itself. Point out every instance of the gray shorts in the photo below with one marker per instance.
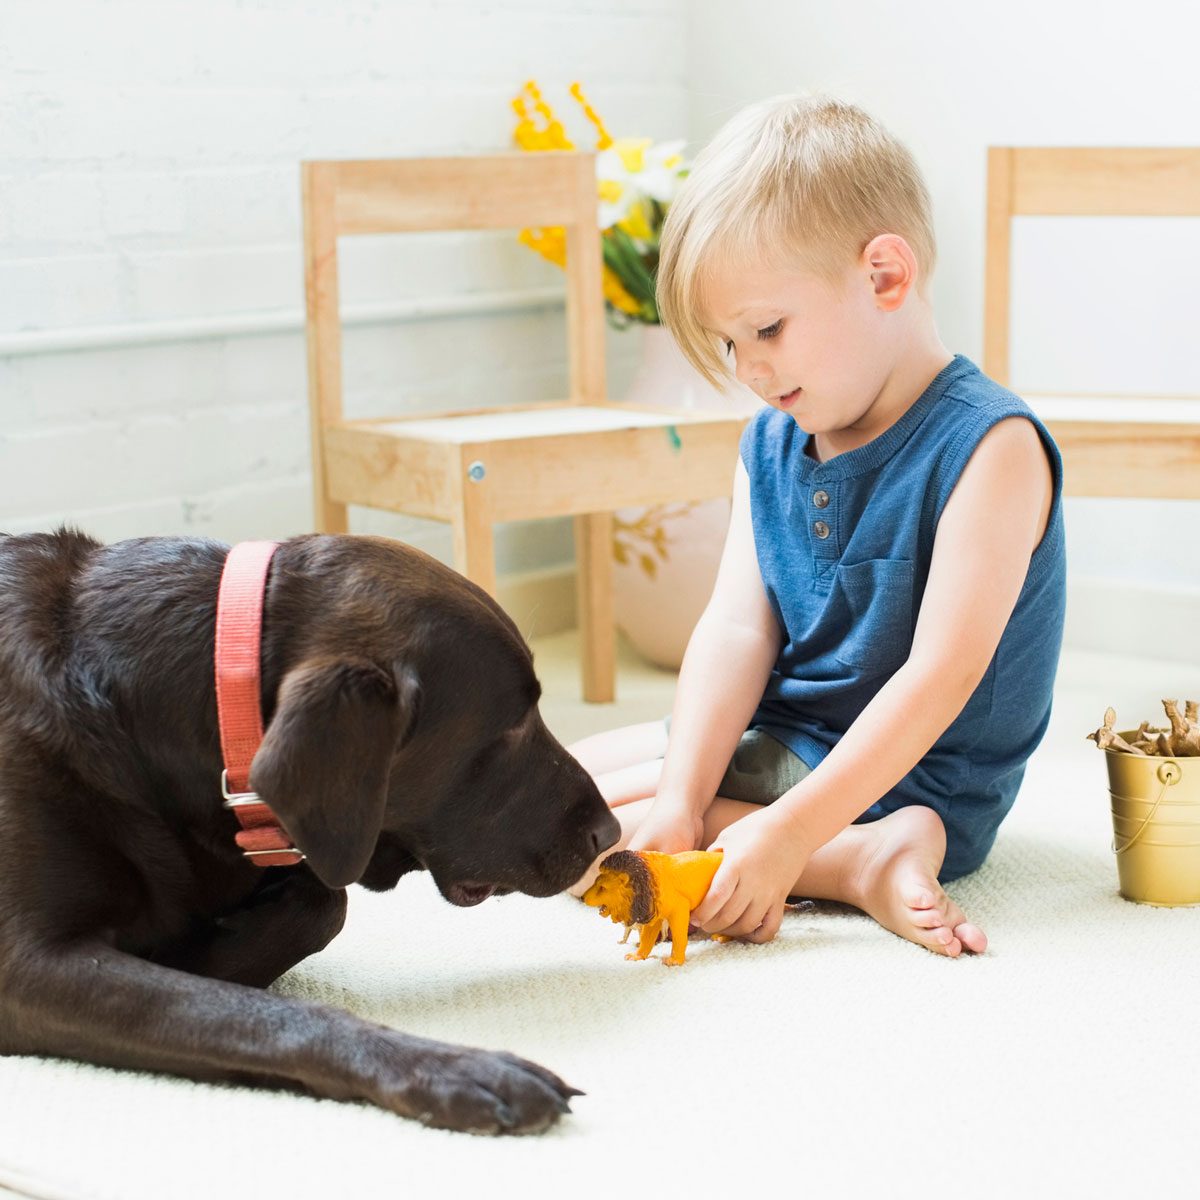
(761, 770)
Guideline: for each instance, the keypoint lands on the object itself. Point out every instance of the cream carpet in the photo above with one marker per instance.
(837, 1062)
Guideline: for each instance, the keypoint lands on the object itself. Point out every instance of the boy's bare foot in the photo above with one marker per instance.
(895, 882)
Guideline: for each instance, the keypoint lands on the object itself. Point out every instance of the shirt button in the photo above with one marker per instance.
(821, 499)
(821, 529)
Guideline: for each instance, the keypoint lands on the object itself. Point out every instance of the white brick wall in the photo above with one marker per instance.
(148, 173)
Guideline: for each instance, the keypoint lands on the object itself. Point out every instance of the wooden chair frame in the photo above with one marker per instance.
(1111, 445)
(590, 458)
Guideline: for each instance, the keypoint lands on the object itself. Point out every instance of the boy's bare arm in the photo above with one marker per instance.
(991, 526)
(726, 667)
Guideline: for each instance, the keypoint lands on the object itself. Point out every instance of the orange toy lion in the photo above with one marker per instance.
(653, 892)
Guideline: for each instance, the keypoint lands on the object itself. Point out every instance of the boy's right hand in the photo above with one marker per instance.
(669, 827)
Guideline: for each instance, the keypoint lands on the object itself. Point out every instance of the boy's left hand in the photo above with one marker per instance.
(763, 860)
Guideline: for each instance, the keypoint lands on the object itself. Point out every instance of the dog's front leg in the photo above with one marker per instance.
(287, 919)
(89, 1001)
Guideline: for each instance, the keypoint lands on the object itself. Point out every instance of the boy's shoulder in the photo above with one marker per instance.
(979, 391)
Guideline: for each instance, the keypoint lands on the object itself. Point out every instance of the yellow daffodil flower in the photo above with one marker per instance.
(636, 179)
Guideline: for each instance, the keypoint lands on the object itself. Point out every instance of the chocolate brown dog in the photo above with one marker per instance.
(402, 733)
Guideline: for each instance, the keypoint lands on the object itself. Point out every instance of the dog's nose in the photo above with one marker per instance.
(604, 834)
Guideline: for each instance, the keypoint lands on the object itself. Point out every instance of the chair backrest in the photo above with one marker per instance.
(549, 188)
(1075, 181)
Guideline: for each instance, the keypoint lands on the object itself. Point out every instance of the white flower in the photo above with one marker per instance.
(633, 168)
(660, 175)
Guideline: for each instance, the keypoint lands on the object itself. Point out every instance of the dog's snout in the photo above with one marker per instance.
(604, 834)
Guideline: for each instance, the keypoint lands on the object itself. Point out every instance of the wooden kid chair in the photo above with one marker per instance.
(1111, 445)
(581, 457)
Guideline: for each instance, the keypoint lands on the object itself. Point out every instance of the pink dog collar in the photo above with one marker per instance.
(239, 712)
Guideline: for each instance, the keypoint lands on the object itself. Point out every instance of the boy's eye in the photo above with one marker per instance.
(763, 335)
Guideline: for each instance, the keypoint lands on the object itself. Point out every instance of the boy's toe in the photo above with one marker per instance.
(928, 918)
(941, 940)
(918, 896)
(972, 937)
(944, 942)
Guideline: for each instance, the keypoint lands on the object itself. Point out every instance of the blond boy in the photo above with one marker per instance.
(858, 701)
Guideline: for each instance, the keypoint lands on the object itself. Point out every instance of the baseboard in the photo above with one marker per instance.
(1121, 616)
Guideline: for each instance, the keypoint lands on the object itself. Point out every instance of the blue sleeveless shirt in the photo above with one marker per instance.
(844, 548)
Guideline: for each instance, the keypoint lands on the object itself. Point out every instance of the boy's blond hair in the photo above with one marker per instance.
(797, 181)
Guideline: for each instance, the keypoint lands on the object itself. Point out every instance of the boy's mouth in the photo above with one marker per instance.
(788, 397)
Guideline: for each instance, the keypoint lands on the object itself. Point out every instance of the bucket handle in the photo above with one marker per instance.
(1169, 773)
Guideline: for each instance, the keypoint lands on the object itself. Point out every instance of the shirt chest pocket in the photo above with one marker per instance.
(879, 607)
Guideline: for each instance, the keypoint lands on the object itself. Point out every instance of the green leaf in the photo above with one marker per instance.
(623, 257)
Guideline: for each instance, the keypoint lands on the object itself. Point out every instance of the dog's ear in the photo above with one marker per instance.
(323, 764)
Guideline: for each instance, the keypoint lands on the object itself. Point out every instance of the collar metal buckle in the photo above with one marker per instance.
(236, 799)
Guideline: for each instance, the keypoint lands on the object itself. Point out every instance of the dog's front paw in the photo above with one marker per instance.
(477, 1091)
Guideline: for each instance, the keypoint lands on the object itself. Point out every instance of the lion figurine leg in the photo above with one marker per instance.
(647, 940)
(678, 919)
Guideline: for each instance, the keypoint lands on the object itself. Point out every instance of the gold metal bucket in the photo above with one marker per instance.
(1156, 826)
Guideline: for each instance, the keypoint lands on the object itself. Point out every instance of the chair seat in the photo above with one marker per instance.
(1146, 446)
(537, 421)
(1158, 410)
(534, 461)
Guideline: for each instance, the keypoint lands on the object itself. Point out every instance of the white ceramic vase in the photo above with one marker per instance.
(667, 557)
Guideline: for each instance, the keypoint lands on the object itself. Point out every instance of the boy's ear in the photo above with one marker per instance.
(324, 762)
(893, 269)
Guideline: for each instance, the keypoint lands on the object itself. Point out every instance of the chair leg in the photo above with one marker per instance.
(474, 548)
(330, 516)
(594, 589)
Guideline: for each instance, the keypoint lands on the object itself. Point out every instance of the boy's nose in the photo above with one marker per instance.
(753, 372)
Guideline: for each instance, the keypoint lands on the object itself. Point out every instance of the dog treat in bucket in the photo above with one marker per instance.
(1155, 805)
(654, 893)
